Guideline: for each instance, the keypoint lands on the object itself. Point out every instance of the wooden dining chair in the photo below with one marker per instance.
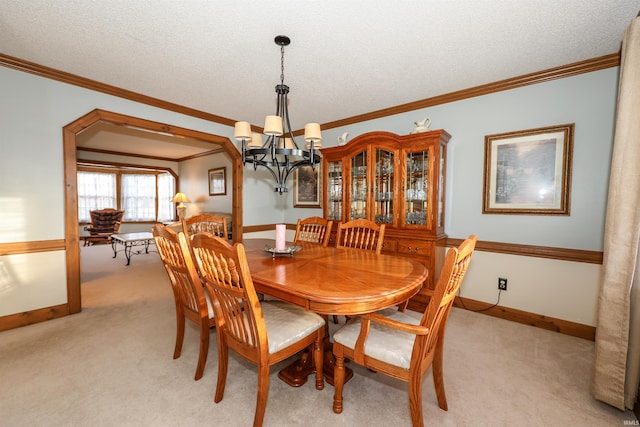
(314, 229)
(360, 234)
(264, 333)
(189, 294)
(216, 225)
(397, 344)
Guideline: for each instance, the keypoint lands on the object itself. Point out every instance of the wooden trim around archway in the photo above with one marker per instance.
(69, 134)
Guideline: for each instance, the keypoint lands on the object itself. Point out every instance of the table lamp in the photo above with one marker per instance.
(181, 199)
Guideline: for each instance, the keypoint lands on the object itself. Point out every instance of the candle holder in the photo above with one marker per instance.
(288, 250)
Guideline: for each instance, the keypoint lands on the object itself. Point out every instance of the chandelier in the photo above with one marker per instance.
(280, 153)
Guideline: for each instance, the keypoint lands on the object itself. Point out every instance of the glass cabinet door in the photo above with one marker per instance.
(416, 193)
(358, 208)
(334, 205)
(441, 178)
(384, 183)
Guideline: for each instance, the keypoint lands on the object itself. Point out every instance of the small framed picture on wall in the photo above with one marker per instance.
(307, 188)
(218, 181)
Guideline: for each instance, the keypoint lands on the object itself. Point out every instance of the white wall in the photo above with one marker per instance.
(32, 281)
(194, 182)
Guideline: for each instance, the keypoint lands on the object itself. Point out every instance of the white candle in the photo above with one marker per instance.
(281, 237)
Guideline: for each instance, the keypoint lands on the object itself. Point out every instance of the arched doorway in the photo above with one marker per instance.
(69, 133)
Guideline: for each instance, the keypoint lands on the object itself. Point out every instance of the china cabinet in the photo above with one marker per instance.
(398, 180)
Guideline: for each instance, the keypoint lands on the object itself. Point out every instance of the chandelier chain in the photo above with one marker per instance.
(282, 64)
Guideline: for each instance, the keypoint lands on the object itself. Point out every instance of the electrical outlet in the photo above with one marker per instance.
(502, 283)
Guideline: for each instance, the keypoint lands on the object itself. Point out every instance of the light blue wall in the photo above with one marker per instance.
(588, 100)
(33, 111)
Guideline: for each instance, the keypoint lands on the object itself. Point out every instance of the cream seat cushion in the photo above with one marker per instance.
(383, 343)
(287, 323)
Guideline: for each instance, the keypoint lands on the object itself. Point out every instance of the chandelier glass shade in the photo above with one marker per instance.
(280, 153)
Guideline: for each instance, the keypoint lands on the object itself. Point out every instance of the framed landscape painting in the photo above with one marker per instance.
(528, 171)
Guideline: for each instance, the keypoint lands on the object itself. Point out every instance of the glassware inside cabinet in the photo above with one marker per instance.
(358, 186)
(416, 187)
(441, 188)
(334, 205)
(384, 184)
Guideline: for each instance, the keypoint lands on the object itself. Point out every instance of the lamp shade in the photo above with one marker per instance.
(180, 198)
(287, 143)
(273, 125)
(316, 145)
(256, 140)
(312, 134)
(242, 130)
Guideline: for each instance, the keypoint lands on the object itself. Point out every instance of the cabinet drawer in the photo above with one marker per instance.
(389, 245)
(415, 247)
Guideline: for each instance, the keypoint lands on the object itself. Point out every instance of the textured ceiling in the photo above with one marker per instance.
(346, 58)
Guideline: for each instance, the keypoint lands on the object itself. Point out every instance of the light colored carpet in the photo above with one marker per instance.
(112, 365)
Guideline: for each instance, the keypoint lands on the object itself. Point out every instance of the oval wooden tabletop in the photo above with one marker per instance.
(334, 281)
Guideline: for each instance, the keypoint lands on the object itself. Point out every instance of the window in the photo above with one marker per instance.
(166, 191)
(96, 190)
(138, 197)
(144, 195)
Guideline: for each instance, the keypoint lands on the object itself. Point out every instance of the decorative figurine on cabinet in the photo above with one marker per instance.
(342, 139)
(422, 126)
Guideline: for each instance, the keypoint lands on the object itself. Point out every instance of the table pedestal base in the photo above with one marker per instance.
(298, 372)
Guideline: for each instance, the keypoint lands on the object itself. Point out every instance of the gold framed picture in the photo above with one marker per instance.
(528, 171)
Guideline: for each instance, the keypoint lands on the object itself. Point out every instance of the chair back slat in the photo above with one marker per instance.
(185, 282)
(360, 234)
(205, 223)
(225, 272)
(314, 229)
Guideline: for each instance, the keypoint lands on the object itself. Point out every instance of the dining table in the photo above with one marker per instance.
(330, 281)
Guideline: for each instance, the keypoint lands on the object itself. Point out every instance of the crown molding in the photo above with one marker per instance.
(590, 65)
(61, 76)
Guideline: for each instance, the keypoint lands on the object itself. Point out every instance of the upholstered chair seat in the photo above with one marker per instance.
(288, 324)
(385, 344)
(403, 345)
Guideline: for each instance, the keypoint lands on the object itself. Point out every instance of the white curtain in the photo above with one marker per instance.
(617, 351)
(96, 190)
(166, 190)
(139, 197)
